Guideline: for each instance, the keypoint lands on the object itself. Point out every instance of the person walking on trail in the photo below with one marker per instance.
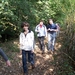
(41, 34)
(5, 57)
(51, 28)
(58, 27)
(26, 46)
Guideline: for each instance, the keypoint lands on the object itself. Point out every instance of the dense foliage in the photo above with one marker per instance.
(69, 32)
(13, 12)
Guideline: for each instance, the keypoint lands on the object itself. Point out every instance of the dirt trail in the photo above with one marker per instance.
(46, 64)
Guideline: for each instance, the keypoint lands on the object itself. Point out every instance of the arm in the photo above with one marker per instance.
(54, 30)
(21, 40)
(32, 38)
(5, 57)
(46, 31)
(36, 29)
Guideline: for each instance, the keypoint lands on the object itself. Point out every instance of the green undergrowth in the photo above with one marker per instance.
(10, 48)
(63, 66)
(62, 59)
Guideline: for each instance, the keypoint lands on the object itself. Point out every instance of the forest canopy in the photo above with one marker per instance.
(14, 12)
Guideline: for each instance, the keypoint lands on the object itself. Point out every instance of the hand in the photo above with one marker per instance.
(38, 31)
(48, 29)
(32, 51)
(20, 51)
(8, 63)
(51, 29)
(45, 37)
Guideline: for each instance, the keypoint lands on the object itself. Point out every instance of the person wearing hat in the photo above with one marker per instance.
(27, 46)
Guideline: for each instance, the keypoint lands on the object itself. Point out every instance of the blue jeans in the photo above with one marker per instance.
(51, 41)
(24, 59)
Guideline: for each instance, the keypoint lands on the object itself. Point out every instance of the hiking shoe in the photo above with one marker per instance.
(52, 52)
(43, 52)
(33, 66)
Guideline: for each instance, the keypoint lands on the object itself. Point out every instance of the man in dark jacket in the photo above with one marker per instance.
(51, 29)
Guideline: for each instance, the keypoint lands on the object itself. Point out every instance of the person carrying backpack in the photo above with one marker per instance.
(51, 29)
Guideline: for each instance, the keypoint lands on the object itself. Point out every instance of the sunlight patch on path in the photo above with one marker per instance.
(57, 46)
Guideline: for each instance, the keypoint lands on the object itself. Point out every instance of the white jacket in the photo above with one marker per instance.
(27, 42)
(42, 31)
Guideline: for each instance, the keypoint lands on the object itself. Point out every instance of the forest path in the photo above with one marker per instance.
(46, 64)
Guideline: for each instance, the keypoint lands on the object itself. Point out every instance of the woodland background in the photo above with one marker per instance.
(14, 12)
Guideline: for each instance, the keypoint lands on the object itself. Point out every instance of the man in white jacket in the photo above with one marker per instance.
(41, 34)
(26, 46)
